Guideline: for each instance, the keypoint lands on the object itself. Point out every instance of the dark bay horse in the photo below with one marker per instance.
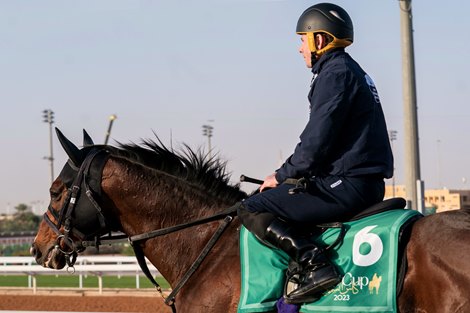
(138, 189)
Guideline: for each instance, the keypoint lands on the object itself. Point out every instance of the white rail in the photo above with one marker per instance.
(86, 265)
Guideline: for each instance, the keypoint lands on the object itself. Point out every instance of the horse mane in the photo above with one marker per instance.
(195, 167)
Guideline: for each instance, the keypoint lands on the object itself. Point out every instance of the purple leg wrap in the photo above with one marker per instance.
(283, 307)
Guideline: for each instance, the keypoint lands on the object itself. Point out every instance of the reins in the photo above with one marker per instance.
(227, 217)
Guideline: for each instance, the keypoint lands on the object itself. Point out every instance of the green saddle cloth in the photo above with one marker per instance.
(367, 258)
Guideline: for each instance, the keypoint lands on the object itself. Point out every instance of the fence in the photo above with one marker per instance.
(86, 265)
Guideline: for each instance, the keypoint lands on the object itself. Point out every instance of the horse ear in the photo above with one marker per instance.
(87, 141)
(72, 151)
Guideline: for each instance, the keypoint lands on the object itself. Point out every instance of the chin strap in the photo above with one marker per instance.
(334, 44)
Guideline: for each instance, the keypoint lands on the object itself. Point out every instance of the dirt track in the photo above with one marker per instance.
(83, 302)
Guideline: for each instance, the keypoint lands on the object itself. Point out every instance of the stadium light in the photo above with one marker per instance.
(48, 117)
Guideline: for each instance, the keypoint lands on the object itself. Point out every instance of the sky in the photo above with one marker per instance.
(167, 67)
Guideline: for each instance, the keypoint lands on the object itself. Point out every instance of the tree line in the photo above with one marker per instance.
(23, 220)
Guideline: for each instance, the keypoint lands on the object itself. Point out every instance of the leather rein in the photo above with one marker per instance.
(64, 218)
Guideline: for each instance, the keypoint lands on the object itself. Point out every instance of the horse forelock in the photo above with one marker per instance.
(192, 166)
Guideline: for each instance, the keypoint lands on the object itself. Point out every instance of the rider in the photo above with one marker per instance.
(338, 167)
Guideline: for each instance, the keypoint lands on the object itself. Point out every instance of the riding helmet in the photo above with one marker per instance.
(326, 18)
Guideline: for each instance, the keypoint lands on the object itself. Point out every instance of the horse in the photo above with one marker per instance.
(141, 189)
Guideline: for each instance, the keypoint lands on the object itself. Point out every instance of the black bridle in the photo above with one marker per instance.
(65, 218)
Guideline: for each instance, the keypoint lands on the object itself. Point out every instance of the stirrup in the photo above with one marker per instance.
(318, 282)
(293, 275)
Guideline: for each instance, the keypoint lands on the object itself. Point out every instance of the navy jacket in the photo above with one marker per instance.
(346, 134)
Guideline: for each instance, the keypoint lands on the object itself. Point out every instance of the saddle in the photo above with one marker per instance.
(380, 207)
(385, 205)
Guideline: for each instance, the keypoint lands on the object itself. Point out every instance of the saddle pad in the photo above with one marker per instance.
(367, 258)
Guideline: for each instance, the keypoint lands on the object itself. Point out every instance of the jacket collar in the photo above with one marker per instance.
(325, 58)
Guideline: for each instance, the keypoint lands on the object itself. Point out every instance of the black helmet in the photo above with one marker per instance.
(326, 18)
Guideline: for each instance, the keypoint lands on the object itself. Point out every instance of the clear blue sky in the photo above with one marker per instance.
(170, 66)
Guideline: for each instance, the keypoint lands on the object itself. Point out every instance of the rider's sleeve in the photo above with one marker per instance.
(329, 105)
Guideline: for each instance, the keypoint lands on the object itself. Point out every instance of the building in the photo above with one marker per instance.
(438, 200)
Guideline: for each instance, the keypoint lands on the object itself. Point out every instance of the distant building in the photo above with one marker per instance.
(438, 200)
(6, 217)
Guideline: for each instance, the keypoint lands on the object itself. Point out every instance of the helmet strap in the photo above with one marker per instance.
(311, 42)
(336, 43)
(312, 46)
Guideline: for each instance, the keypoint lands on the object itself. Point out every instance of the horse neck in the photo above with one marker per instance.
(146, 200)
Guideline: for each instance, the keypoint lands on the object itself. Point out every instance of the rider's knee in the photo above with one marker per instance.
(255, 222)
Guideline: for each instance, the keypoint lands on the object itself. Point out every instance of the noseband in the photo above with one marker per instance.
(64, 217)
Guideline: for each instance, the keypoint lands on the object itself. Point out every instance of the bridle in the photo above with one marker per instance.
(65, 218)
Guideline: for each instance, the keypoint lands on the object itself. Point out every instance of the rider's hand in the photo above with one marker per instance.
(269, 182)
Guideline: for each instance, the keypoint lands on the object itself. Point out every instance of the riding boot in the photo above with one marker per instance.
(313, 274)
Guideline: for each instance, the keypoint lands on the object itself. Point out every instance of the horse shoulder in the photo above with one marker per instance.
(216, 286)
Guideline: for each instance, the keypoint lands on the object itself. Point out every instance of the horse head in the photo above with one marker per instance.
(73, 214)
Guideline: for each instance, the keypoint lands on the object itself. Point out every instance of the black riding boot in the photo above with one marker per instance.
(315, 273)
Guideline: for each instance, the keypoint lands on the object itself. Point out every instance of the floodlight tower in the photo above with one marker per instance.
(207, 131)
(48, 116)
(108, 132)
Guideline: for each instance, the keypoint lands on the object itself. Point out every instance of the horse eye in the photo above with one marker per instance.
(55, 194)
